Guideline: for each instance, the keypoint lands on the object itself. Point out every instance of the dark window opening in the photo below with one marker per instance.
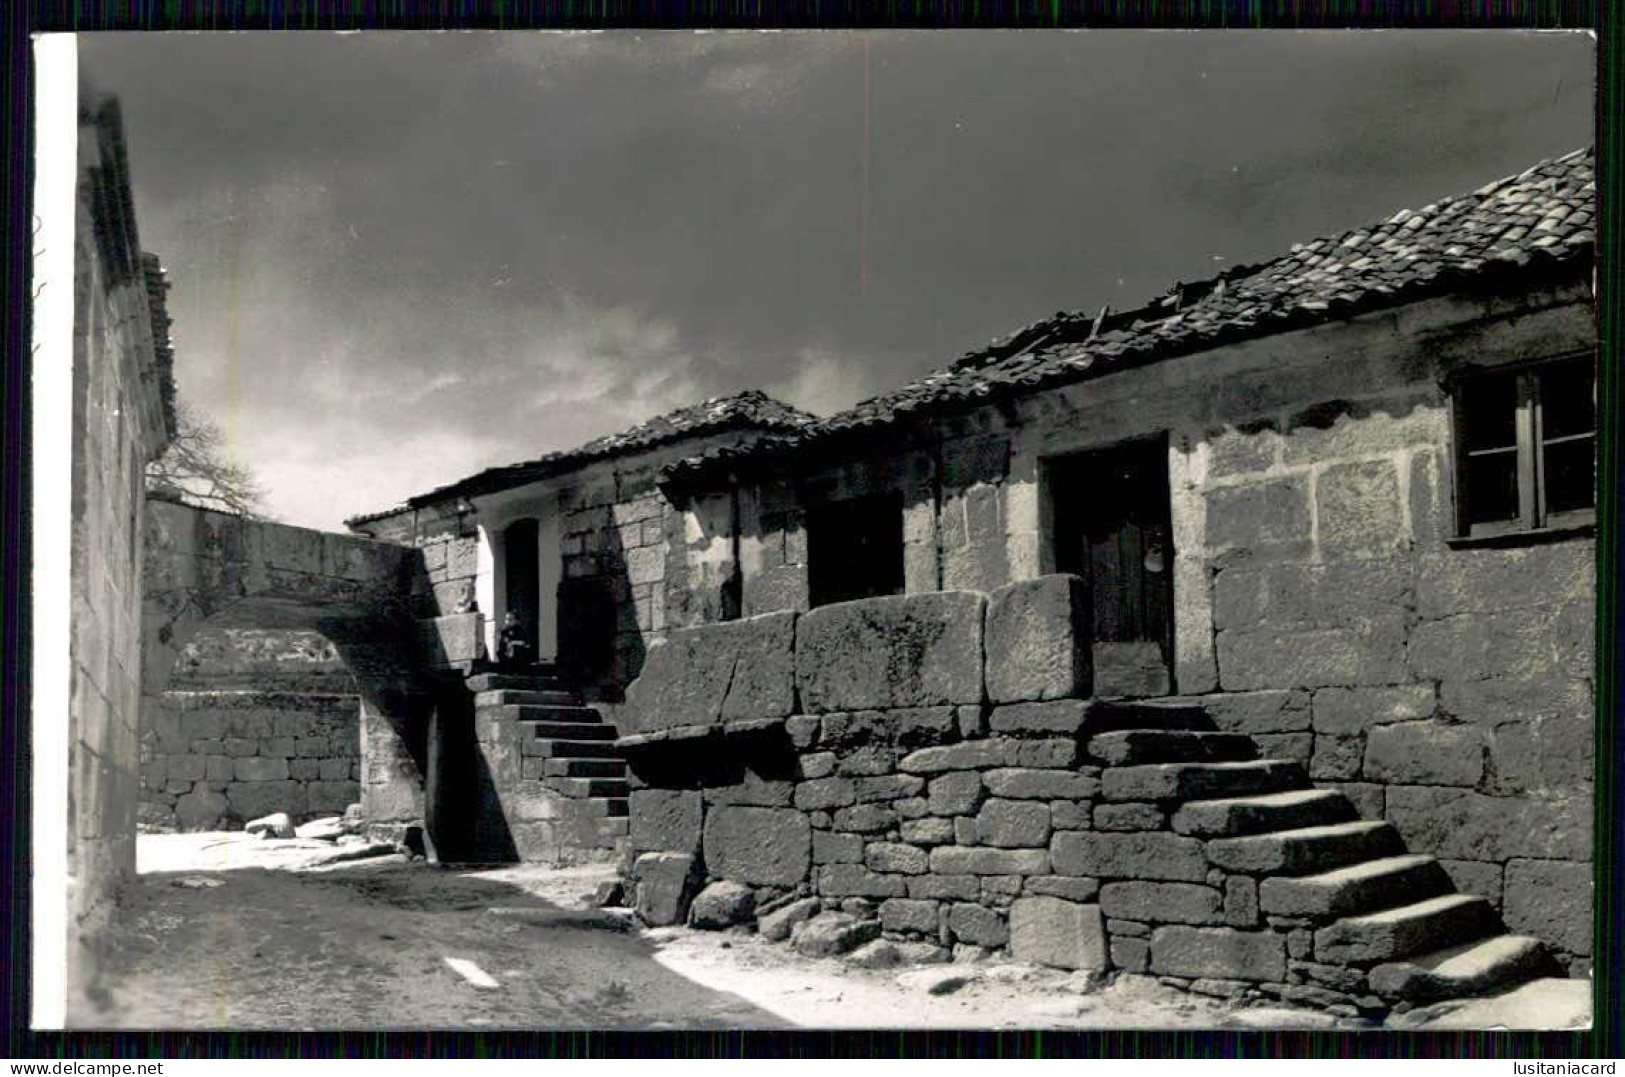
(855, 549)
(1526, 449)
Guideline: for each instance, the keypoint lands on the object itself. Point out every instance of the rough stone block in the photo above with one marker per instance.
(822, 794)
(777, 925)
(977, 925)
(803, 730)
(1551, 900)
(760, 846)
(1523, 644)
(1240, 901)
(720, 905)
(1013, 824)
(830, 934)
(971, 755)
(666, 884)
(927, 831)
(1033, 784)
(1131, 955)
(1460, 824)
(955, 794)
(919, 650)
(1337, 758)
(1425, 753)
(200, 809)
(1359, 510)
(830, 847)
(1058, 718)
(896, 858)
(957, 860)
(1061, 934)
(1370, 652)
(1129, 816)
(715, 672)
(909, 915)
(1137, 855)
(867, 761)
(817, 765)
(855, 880)
(1069, 814)
(890, 787)
(248, 769)
(1342, 712)
(1038, 640)
(1061, 754)
(1475, 877)
(865, 818)
(1220, 952)
(1262, 519)
(1168, 903)
(666, 820)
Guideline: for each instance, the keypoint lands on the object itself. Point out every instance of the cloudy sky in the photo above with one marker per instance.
(400, 258)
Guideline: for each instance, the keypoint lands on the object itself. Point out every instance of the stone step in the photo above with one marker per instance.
(1106, 716)
(589, 787)
(1345, 891)
(1476, 968)
(594, 808)
(1399, 932)
(570, 730)
(1201, 781)
(1131, 747)
(571, 749)
(506, 697)
(529, 712)
(1304, 850)
(1272, 811)
(523, 682)
(615, 827)
(583, 768)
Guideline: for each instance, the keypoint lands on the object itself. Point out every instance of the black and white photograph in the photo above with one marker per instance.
(843, 529)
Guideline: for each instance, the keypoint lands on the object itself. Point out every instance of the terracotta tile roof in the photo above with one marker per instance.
(1542, 216)
(749, 410)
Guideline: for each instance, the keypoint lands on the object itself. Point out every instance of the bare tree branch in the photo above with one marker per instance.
(196, 470)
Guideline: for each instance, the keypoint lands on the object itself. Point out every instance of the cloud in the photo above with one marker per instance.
(824, 382)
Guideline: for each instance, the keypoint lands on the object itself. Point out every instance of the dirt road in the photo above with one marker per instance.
(209, 937)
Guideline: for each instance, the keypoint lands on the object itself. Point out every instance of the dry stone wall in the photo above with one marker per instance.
(895, 792)
(255, 721)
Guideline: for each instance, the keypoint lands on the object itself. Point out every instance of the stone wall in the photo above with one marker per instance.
(1322, 601)
(121, 385)
(215, 760)
(932, 763)
(254, 721)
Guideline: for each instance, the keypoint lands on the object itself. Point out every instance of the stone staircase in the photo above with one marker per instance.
(558, 784)
(1367, 922)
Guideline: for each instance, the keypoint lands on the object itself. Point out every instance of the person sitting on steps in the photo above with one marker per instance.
(513, 648)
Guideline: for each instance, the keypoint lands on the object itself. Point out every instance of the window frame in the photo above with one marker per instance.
(1534, 518)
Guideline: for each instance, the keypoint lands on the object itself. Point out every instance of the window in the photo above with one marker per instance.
(1526, 448)
(855, 549)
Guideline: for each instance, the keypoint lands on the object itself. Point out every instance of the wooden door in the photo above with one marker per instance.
(1112, 529)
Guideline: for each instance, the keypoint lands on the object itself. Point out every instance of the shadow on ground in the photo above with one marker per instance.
(366, 947)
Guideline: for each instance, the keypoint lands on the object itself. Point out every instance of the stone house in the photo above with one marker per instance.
(1342, 501)
(122, 417)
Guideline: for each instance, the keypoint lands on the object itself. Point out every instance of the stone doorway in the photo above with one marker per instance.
(1112, 528)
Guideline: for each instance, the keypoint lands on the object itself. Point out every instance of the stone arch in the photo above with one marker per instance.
(209, 567)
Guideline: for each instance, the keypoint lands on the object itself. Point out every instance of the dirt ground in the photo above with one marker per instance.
(226, 931)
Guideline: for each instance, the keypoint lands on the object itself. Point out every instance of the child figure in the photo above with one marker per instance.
(513, 649)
